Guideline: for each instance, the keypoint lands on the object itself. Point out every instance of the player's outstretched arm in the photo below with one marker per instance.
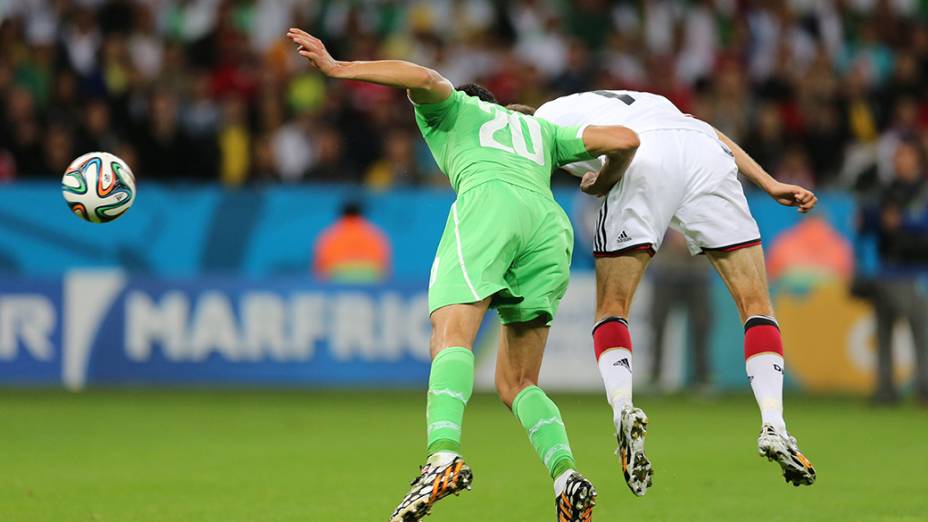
(783, 193)
(619, 145)
(424, 84)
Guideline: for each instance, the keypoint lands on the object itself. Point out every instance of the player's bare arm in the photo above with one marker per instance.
(783, 193)
(423, 84)
(619, 144)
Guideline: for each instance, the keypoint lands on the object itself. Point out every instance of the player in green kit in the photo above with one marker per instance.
(506, 245)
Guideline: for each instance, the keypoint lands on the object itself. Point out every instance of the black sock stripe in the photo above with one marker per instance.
(612, 319)
(760, 321)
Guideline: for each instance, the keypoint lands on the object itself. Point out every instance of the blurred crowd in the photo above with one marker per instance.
(830, 94)
(820, 91)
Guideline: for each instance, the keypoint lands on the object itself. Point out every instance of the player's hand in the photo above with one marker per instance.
(314, 50)
(589, 184)
(793, 196)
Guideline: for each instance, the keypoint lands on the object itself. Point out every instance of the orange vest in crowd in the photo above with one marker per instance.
(352, 250)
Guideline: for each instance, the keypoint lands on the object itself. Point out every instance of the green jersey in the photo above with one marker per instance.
(475, 142)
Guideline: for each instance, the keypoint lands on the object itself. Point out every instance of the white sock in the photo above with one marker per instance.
(561, 482)
(615, 367)
(765, 371)
(440, 458)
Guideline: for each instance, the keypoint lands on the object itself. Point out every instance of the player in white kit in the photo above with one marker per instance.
(684, 175)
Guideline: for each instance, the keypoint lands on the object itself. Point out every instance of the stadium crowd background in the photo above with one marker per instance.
(820, 92)
(830, 94)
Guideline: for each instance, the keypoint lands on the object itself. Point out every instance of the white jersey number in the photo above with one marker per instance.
(519, 146)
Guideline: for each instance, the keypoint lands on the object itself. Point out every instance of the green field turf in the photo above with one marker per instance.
(299, 456)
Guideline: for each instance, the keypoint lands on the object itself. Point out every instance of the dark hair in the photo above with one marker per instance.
(524, 109)
(475, 89)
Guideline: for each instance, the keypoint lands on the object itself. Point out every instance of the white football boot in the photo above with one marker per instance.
(782, 448)
(635, 464)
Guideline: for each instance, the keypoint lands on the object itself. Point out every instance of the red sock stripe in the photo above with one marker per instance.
(611, 333)
(762, 338)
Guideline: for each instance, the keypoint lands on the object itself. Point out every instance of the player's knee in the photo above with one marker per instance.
(436, 342)
(444, 335)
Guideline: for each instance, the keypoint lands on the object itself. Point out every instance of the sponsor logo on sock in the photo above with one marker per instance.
(777, 367)
(623, 362)
(750, 378)
(623, 237)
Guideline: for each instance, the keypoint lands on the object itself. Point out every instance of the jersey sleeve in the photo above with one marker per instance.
(441, 115)
(582, 167)
(568, 145)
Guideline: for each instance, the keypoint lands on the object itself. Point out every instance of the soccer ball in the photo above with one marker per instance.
(99, 187)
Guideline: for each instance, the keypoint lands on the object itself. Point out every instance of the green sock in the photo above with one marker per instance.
(541, 418)
(451, 382)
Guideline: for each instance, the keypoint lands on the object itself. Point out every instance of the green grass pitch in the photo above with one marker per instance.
(228, 456)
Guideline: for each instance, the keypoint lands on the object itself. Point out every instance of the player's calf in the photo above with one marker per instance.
(613, 346)
(763, 362)
(763, 353)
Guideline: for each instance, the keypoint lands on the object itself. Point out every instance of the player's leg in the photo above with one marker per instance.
(541, 274)
(451, 382)
(632, 223)
(744, 273)
(451, 378)
(466, 274)
(617, 279)
(716, 220)
(518, 365)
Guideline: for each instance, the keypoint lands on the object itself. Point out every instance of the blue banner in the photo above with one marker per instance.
(202, 286)
(106, 328)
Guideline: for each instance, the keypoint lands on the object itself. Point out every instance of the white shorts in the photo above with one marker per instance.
(683, 179)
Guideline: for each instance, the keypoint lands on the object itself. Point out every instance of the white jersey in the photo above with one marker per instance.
(682, 176)
(639, 111)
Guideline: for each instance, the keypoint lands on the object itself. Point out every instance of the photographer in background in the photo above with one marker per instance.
(900, 226)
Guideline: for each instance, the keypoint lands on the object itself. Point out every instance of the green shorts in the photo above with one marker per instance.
(507, 242)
